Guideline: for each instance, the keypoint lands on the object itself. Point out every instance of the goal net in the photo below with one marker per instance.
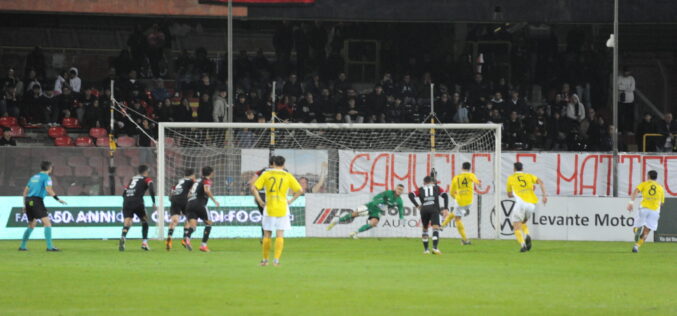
(340, 167)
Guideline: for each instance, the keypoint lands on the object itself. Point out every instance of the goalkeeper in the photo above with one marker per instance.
(381, 202)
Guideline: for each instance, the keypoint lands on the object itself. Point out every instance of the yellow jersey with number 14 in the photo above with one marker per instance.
(522, 185)
(463, 187)
(277, 184)
(653, 195)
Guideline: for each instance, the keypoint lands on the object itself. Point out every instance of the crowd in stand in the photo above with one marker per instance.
(311, 87)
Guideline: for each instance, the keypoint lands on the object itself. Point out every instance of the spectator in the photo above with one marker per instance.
(220, 105)
(183, 66)
(517, 104)
(646, 126)
(95, 116)
(123, 64)
(308, 109)
(32, 106)
(586, 123)
(538, 130)
(292, 87)
(155, 43)
(462, 114)
(31, 81)
(205, 86)
(67, 103)
(446, 107)
(599, 138)
(182, 112)
(626, 106)
(557, 134)
(406, 89)
(375, 105)
(477, 90)
(326, 106)
(202, 64)
(7, 139)
(146, 138)
(285, 109)
(392, 111)
(499, 103)
(261, 66)
(495, 116)
(51, 105)
(9, 104)
(111, 77)
(73, 80)
(314, 85)
(351, 114)
(159, 92)
(242, 66)
(86, 101)
(129, 86)
(163, 113)
(575, 112)
(388, 84)
(13, 81)
(341, 86)
(61, 82)
(137, 44)
(667, 127)
(205, 109)
(241, 107)
(514, 132)
(36, 61)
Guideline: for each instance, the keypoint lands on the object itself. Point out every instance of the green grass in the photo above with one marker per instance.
(340, 277)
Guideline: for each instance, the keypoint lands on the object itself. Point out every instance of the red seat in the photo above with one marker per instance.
(18, 131)
(97, 132)
(102, 142)
(70, 122)
(2, 132)
(84, 141)
(56, 131)
(63, 141)
(8, 121)
(126, 141)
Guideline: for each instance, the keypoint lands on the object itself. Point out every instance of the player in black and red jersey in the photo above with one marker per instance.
(262, 192)
(133, 204)
(429, 208)
(179, 199)
(199, 195)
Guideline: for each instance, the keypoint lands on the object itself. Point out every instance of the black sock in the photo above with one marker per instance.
(189, 232)
(436, 238)
(144, 230)
(205, 236)
(425, 241)
(170, 233)
(263, 234)
(125, 229)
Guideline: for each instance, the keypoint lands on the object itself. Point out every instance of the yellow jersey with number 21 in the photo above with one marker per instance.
(277, 183)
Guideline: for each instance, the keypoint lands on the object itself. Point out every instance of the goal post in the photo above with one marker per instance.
(336, 162)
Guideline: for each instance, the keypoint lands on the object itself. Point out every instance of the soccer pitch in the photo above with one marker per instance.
(339, 277)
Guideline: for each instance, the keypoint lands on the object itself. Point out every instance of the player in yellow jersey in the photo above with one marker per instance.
(277, 182)
(653, 196)
(462, 191)
(520, 186)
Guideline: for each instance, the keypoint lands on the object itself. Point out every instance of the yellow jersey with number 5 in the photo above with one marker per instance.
(277, 184)
(463, 187)
(522, 185)
(653, 195)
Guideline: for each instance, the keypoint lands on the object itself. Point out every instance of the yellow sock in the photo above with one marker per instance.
(639, 243)
(279, 245)
(266, 248)
(525, 229)
(519, 237)
(447, 220)
(461, 229)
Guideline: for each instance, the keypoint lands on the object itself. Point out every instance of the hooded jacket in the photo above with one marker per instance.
(220, 106)
(75, 83)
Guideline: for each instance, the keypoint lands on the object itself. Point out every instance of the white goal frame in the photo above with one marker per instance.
(300, 126)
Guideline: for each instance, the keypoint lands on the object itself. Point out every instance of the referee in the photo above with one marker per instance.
(38, 186)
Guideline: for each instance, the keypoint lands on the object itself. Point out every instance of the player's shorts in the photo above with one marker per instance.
(430, 215)
(129, 208)
(522, 211)
(461, 211)
(273, 223)
(648, 218)
(35, 208)
(178, 207)
(197, 210)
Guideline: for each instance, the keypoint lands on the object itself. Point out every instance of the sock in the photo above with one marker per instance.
(519, 237)
(48, 237)
(447, 220)
(189, 232)
(266, 247)
(27, 234)
(170, 233)
(144, 230)
(364, 227)
(639, 243)
(436, 238)
(279, 246)
(205, 235)
(125, 229)
(424, 238)
(345, 217)
(525, 229)
(461, 229)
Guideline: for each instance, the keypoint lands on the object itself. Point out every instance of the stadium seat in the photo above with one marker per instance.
(84, 141)
(8, 121)
(56, 131)
(126, 141)
(102, 142)
(70, 122)
(17, 131)
(96, 132)
(63, 141)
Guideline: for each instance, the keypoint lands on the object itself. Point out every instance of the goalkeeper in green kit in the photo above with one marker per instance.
(381, 202)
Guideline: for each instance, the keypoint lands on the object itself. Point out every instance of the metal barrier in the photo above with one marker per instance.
(644, 137)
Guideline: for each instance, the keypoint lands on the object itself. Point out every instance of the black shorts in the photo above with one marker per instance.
(263, 197)
(178, 207)
(430, 215)
(130, 208)
(196, 210)
(35, 208)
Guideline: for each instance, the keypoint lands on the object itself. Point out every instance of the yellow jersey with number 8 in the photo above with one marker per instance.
(463, 187)
(653, 195)
(277, 183)
(522, 185)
